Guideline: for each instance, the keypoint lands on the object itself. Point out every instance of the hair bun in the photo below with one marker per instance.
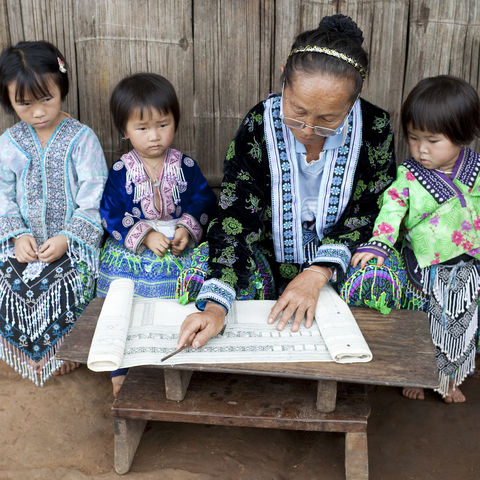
(344, 25)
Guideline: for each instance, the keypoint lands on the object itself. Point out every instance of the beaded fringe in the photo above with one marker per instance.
(32, 320)
(84, 253)
(175, 174)
(453, 305)
(467, 367)
(26, 367)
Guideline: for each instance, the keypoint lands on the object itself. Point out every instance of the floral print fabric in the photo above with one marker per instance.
(441, 215)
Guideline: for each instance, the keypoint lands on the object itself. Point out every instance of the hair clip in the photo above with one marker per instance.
(61, 65)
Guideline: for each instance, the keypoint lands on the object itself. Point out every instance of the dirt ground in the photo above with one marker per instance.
(64, 431)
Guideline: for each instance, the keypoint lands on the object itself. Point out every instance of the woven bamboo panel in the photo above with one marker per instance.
(223, 56)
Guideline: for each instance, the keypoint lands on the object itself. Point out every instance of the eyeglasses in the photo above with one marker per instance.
(317, 130)
(321, 131)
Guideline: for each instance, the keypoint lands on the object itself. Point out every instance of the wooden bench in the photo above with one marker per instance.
(298, 396)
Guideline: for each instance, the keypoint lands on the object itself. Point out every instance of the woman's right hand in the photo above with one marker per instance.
(25, 248)
(199, 327)
(157, 242)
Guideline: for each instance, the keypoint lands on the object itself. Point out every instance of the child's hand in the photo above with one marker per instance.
(365, 257)
(180, 240)
(53, 249)
(157, 242)
(25, 248)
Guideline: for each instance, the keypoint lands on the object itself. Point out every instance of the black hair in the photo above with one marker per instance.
(143, 91)
(336, 32)
(444, 104)
(32, 65)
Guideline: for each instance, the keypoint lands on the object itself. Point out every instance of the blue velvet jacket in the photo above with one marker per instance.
(128, 199)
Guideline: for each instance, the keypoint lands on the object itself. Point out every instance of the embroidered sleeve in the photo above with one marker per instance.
(122, 223)
(375, 247)
(12, 223)
(84, 231)
(198, 200)
(394, 208)
(233, 236)
(375, 172)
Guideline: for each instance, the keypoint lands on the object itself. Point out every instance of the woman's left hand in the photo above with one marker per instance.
(53, 249)
(300, 299)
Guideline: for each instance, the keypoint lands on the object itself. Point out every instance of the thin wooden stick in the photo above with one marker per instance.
(178, 350)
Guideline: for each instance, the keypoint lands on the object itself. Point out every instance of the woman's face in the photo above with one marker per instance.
(318, 100)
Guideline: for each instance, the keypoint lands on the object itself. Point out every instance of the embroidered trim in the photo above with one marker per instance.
(171, 185)
(375, 247)
(46, 217)
(10, 226)
(338, 254)
(337, 179)
(217, 291)
(436, 185)
(286, 228)
(192, 225)
(469, 168)
(136, 234)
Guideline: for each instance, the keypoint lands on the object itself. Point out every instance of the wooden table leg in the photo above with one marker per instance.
(127, 435)
(356, 456)
(326, 396)
(176, 383)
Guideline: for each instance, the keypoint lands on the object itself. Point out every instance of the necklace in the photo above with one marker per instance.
(446, 172)
(155, 181)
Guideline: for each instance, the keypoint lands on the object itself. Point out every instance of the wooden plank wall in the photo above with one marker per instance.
(223, 56)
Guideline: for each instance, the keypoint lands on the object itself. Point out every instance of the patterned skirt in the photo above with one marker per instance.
(39, 304)
(447, 293)
(376, 287)
(154, 277)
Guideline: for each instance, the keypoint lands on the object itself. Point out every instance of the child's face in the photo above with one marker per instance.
(434, 151)
(151, 135)
(42, 114)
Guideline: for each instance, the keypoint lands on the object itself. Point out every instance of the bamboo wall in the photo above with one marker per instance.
(223, 56)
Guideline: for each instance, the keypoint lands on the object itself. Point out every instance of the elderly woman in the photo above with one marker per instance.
(302, 180)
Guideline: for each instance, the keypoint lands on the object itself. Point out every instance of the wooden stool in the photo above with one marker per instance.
(242, 401)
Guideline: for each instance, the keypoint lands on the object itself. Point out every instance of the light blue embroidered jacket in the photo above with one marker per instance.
(54, 191)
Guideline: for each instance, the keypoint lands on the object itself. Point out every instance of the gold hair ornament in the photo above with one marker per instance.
(332, 53)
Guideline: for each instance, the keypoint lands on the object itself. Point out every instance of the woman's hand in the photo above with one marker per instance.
(180, 240)
(25, 248)
(157, 242)
(364, 258)
(199, 327)
(300, 298)
(53, 249)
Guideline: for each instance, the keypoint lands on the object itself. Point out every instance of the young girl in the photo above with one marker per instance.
(435, 203)
(52, 173)
(156, 203)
